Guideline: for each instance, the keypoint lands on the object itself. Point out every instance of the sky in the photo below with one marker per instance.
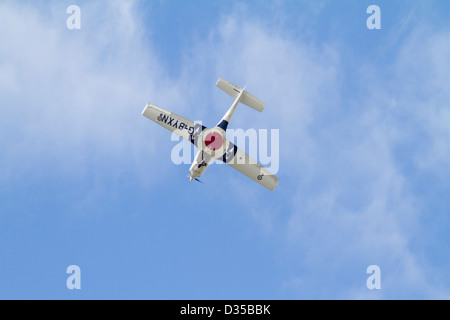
(364, 148)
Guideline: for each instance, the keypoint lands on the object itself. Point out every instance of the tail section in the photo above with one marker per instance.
(247, 98)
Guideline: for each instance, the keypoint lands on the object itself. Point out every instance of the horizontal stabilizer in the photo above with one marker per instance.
(247, 98)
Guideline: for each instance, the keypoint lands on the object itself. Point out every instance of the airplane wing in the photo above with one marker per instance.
(181, 126)
(243, 163)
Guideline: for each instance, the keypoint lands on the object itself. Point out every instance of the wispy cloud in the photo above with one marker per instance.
(75, 96)
(349, 154)
(352, 204)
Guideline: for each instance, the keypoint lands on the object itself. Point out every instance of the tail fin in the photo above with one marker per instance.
(247, 98)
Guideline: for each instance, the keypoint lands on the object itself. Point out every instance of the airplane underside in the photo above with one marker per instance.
(212, 143)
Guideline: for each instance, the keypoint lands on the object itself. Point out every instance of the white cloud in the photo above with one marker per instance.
(72, 96)
(351, 203)
(421, 92)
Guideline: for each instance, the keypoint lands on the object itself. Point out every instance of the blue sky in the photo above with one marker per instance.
(364, 150)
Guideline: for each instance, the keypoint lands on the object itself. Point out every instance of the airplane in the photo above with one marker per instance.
(212, 143)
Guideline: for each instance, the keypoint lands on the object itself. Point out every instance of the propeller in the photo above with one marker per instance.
(193, 178)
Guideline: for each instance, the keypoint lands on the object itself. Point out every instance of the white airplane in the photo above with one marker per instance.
(213, 143)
